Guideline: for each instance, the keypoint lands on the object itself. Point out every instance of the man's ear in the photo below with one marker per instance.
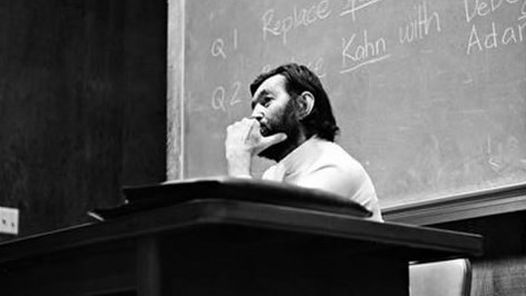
(305, 104)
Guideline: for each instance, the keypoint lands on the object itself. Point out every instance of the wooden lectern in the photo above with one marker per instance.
(225, 240)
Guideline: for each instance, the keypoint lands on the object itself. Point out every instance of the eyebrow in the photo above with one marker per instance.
(263, 93)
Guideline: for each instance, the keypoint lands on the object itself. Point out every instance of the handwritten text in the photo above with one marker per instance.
(299, 17)
(360, 52)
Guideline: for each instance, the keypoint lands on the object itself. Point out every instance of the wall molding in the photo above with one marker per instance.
(460, 207)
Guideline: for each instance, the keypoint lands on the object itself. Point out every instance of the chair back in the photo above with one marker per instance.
(443, 278)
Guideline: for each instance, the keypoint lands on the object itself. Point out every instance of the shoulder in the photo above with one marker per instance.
(350, 177)
(333, 155)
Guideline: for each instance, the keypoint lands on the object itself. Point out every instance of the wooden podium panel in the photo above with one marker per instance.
(225, 247)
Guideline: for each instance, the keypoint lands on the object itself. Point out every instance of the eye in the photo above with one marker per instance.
(263, 101)
(266, 101)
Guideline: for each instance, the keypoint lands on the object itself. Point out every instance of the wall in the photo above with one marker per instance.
(502, 269)
(82, 105)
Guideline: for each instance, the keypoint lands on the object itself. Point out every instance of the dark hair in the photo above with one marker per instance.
(298, 78)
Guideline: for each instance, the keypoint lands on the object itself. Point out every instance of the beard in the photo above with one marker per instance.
(286, 123)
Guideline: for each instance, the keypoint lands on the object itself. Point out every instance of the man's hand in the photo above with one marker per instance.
(243, 141)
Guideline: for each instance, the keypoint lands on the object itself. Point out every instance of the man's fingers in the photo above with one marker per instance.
(240, 130)
(246, 135)
(272, 140)
(252, 124)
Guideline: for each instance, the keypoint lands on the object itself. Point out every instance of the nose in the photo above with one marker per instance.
(258, 112)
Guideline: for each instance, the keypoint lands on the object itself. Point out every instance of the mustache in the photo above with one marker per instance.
(268, 128)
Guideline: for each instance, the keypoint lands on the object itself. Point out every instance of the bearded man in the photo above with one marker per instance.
(292, 123)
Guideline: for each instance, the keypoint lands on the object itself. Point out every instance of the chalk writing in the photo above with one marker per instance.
(481, 8)
(266, 68)
(501, 154)
(419, 25)
(358, 53)
(235, 98)
(352, 6)
(496, 35)
(317, 65)
(220, 100)
(281, 27)
(494, 38)
(218, 47)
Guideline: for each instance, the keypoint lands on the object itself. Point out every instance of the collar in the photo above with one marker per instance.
(298, 158)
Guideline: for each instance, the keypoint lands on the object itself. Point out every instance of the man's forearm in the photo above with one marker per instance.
(239, 164)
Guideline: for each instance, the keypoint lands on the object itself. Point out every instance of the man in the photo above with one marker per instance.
(292, 123)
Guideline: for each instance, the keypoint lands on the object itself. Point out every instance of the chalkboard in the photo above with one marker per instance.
(430, 95)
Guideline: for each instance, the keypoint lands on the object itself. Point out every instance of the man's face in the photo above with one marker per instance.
(275, 109)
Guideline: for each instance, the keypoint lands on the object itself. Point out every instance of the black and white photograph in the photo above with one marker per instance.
(263, 147)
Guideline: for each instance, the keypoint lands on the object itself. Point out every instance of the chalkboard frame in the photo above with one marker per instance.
(461, 207)
(175, 90)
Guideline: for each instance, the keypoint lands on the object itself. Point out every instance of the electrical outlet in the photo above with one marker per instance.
(8, 220)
